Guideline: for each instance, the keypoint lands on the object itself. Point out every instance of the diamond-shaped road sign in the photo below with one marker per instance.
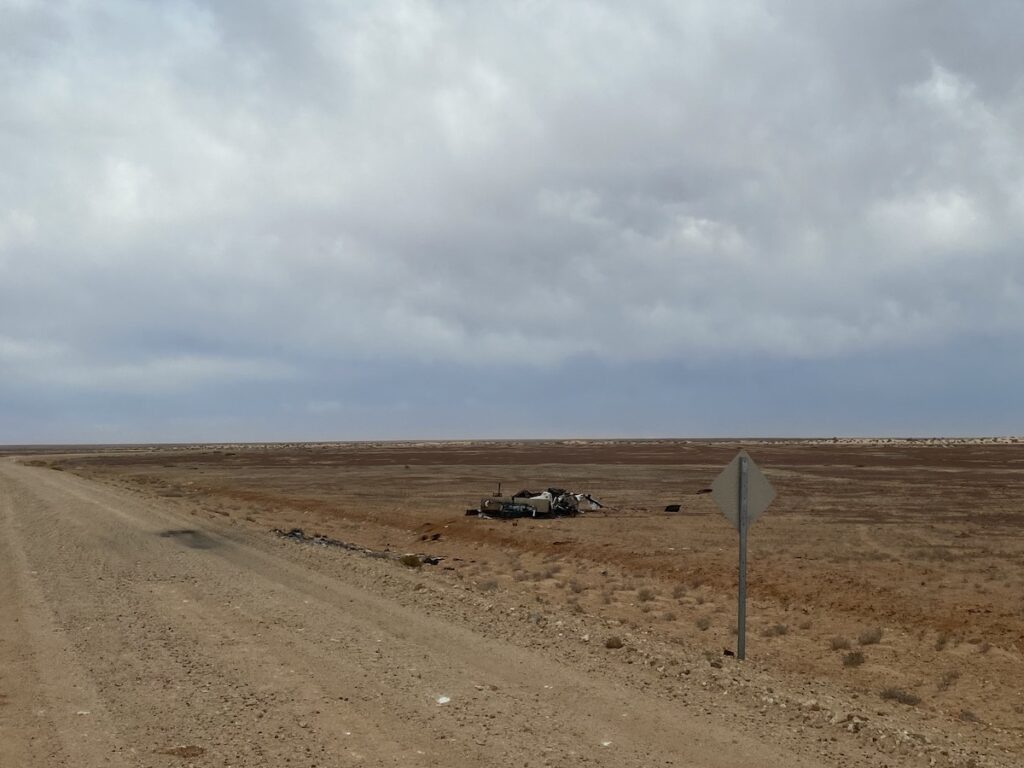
(726, 490)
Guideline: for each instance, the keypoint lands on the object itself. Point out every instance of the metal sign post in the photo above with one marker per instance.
(742, 493)
(741, 613)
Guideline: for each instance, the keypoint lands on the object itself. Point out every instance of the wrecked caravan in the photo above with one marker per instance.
(554, 502)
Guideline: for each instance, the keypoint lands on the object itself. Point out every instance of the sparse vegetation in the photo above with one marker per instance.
(853, 659)
(947, 679)
(900, 695)
(775, 630)
(839, 643)
(703, 623)
(678, 591)
(487, 585)
(613, 642)
(645, 595)
(870, 636)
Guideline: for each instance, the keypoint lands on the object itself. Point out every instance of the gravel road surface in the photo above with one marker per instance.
(134, 634)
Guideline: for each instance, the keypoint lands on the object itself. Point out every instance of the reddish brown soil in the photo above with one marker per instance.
(922, 539)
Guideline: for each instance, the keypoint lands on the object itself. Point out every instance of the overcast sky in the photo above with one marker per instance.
(342, 220)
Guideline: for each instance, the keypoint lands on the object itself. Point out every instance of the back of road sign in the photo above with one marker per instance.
(725, 491)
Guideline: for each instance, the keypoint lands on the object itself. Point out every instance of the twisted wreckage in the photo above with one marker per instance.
(554, 502)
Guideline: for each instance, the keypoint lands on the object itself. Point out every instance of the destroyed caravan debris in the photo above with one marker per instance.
(554, 502)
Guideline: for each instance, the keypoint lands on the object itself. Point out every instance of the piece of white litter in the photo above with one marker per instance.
(443, 699)
(606, 743)
(82, 712)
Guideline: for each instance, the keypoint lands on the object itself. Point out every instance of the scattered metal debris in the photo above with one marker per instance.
(553, 502)
(298, 535)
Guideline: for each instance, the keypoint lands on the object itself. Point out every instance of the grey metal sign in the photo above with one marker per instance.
(742, 493)
(726, 491)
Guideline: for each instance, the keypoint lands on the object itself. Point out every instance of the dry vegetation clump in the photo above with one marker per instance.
(678, 591)
(853, 659)
(613, 642)
(903, 697)
(839, 643)
(942, 640)
(551, 571)
(775, 630)
(703, 623)
(644, 595)
(870, 636)
(948, 678)
(487, 585)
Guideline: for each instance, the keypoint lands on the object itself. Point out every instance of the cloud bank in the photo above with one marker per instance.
(198, 194)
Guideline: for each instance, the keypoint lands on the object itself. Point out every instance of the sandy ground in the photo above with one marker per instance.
(886, 615)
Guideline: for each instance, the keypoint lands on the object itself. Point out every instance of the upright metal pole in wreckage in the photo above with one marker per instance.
(741, 617)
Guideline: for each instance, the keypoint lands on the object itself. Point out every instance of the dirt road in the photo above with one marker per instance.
(134, 635)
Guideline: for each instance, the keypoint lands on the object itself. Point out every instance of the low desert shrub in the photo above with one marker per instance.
(775, 630)
(948, 678)
(900, 695)
(853, 659)
(839, 643)
(870, 636)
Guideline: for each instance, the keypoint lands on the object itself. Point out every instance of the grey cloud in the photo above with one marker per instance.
(444, 182)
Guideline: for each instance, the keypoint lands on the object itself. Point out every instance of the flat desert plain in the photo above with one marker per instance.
(149, 591)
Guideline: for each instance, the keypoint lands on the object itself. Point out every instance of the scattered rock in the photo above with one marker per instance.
(613, 642)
